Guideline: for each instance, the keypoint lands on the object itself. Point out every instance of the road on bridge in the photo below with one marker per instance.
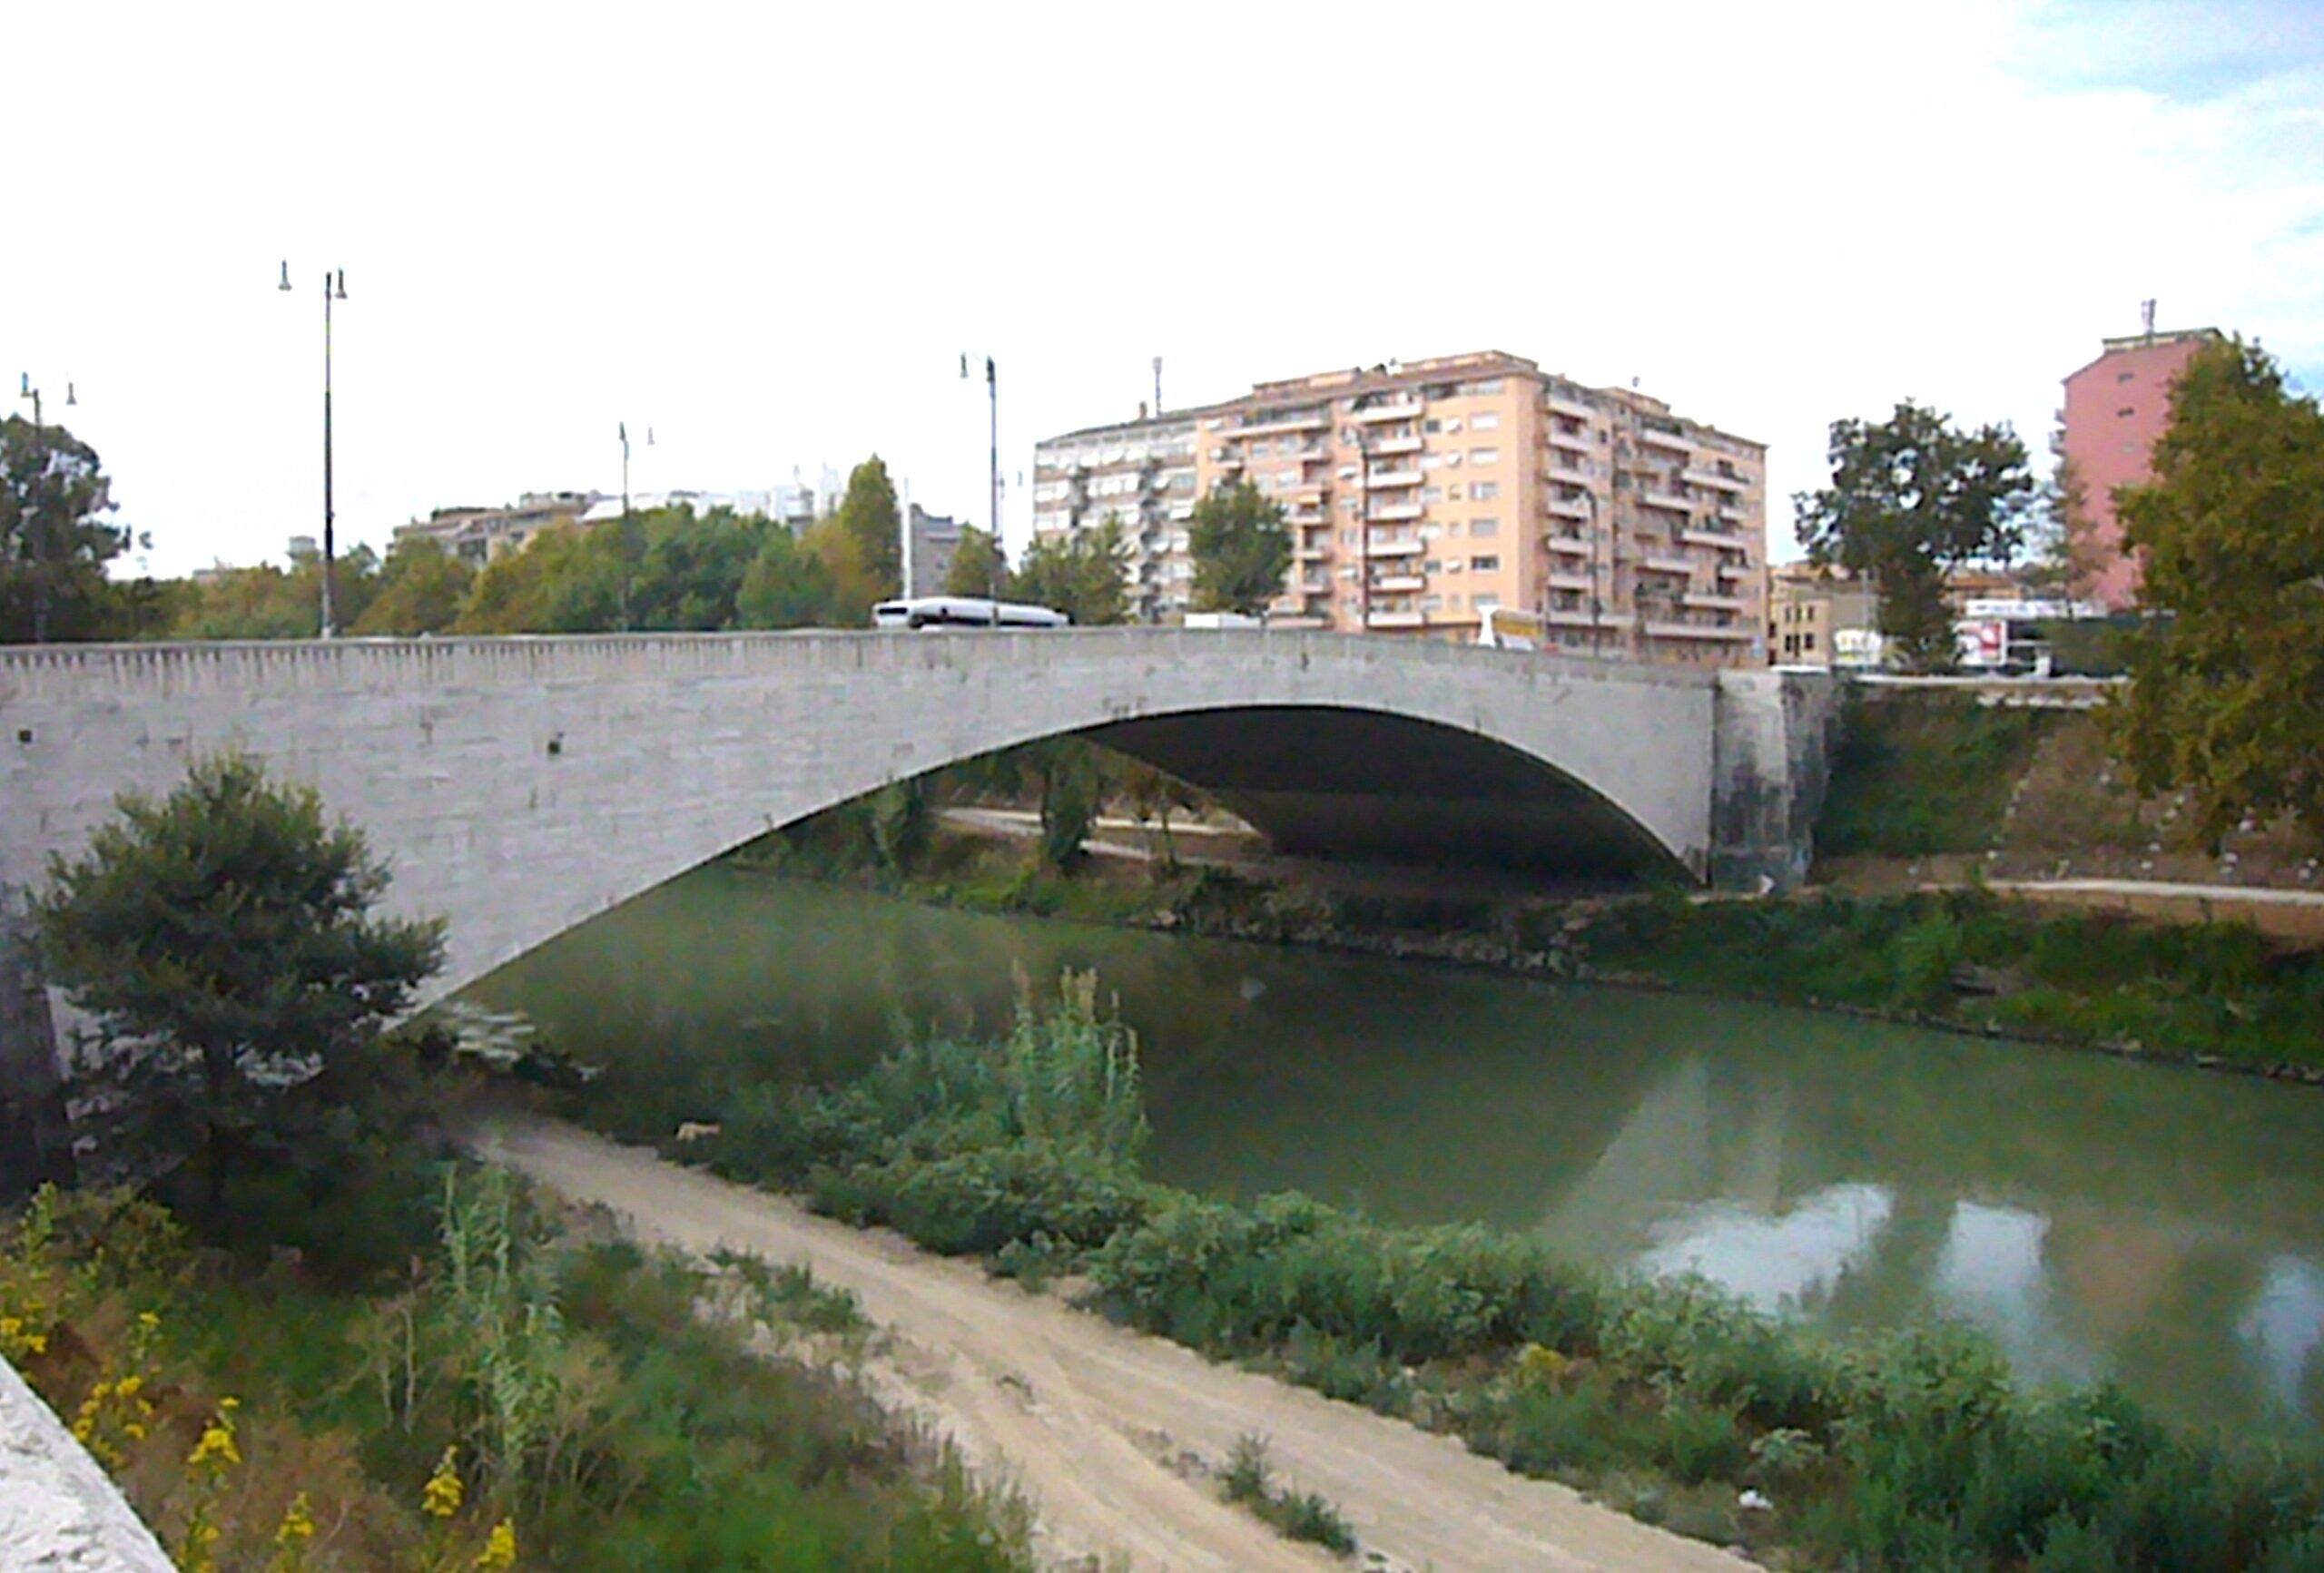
(1112, 1434)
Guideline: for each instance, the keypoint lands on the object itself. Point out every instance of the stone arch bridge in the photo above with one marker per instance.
(522, 785)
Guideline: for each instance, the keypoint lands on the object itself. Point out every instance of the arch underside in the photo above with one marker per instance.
(1382, 787)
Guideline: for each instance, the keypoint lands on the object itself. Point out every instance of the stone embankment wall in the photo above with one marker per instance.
(59, 1513)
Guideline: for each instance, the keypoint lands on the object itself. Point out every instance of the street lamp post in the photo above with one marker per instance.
(628, 533)
(24, 389)
(334, 288)
(992, 390)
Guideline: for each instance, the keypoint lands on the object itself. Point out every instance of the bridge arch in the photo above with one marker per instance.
(520, 786)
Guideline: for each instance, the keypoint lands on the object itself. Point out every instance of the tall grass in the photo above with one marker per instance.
(1905, 1451)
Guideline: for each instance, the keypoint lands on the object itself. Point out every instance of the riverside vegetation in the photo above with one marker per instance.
(520, 1394)
(1912, 1450)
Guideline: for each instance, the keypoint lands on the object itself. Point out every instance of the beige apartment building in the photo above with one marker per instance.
(1425, 495)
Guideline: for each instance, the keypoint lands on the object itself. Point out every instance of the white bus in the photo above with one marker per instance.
(963, 612)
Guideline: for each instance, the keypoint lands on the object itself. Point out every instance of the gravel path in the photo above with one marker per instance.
(1113, 1435)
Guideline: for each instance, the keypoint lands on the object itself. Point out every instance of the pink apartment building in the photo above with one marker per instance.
(2116, 407)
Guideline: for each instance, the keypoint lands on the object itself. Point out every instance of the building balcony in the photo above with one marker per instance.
(1312, 551)
(1732, 571)
(1569, 441)
(1570, 617)
(1570, 546)
(1568, 474)
(1732, 633)
(1664, 563)
(1561, 405)
(1393, 445)
(1388, 512)
(1724, 540)
(1310, 516)
(1572, 508)
(1710, 602)
(1395, 546)
(1403, 410)
(1399, 583)
(1394, 619)
(1561, 581)
(1390, 479)
(1284, 425)
(1676, 441)
(1671, 500)
(1733, 515)
(1301, 621)
(1711, 477)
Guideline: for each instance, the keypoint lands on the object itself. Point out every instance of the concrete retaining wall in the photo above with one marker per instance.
(59, 1512)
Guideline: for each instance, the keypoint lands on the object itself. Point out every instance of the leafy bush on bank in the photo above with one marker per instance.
(1919, 774)
(1913, 1451)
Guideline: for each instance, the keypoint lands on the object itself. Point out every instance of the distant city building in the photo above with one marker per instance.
(935, 541)
(2116, 407)
(301, 550)
(1821, 617)
(1423, 495)
(480, 535)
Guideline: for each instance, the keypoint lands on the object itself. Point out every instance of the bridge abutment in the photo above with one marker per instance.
(1772, 738)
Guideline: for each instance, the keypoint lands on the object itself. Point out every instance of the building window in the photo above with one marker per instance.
(1808, 640)
(1453, 424)
(1484, 526)
(1432, 425)
(2126, 412)
(1484, 456)
(2124, 376)
(1484, 491)
(1487, 602)
(1488, 421)
(1485, 565)
(1432, 494)
(1452, 494)
(1436, 565)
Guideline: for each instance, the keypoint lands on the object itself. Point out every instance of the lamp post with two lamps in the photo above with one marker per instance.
(992, 392)
(24, 389)
(334, 288)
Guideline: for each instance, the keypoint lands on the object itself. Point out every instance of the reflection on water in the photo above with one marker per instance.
(2101, 1219)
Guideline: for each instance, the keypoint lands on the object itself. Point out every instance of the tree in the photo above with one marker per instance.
(2226, 698)
(867, 517)
(421, 590)
(223, 936)
(1241, 549)
(978, 568)
(787, 585)
(691, 573)
(1912, 498)
(54, 542)
(1079, 574)
(566, 580)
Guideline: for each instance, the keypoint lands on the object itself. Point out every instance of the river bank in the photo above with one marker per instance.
(1909, 1450)
(1991, 962)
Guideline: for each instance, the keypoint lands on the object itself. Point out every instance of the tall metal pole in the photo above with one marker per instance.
(624, 526)
(993, 388)
(331, 619)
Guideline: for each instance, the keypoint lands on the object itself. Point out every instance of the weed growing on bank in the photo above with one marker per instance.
(1248, 1481)
(519, 1400)
(1913, 1451)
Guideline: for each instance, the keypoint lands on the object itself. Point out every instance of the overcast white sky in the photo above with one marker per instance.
(770, 231)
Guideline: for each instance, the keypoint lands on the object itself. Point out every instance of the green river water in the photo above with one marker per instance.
(2160, 1226)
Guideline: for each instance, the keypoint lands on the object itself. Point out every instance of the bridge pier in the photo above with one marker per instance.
(1772, 738)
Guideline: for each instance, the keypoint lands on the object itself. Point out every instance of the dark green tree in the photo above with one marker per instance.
(1912, 498)
(691, 575)
(787, 585)
(224, 941)
(422, 588)
(1080, 574)
(54, 542)
(867, 517)
(2226, 699)
(1241, 549)
(977, 567)
(566, 580)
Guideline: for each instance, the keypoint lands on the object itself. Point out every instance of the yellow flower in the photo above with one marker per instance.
(440, 1498)
(499, 1552)
(297, 1523)
(148, 1320)
(217, 1448)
